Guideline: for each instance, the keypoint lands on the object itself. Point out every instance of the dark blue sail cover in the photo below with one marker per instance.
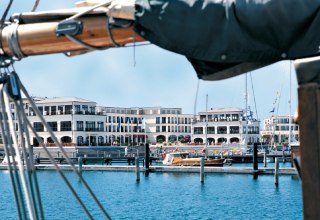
(224, 38)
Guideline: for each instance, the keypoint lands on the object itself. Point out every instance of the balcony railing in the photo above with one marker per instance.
(93, 129)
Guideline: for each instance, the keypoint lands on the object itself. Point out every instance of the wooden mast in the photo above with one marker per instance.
(40, 38)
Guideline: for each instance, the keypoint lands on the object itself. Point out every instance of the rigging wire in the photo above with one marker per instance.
(23, 180)
(13, 171)
(195, 100)
(34, 179)
(38, 113)
(254, 97)
(195, 107)
(35, 6)
(5, 14)
(14, 137)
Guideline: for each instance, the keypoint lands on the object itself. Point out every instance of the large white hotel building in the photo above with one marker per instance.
(80, 122)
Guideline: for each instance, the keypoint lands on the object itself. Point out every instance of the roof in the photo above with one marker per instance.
(224, 110)
(62, 99)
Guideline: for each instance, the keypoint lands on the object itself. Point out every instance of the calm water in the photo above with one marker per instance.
(166, 196)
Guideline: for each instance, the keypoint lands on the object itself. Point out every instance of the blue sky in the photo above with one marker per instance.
(150, 77)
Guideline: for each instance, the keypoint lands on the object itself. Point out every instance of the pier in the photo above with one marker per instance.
(172, 169)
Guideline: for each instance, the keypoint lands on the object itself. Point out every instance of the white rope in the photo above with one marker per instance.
(108, 2)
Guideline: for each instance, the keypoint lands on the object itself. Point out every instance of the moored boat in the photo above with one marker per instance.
(182, 159)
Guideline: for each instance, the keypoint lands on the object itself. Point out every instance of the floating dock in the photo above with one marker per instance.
(172, 169)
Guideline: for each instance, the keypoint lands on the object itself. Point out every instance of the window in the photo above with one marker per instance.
(235, 117)
(210, 130)
(90, 126)
(79, 125)
(40, 109)
(76, 109)
(53, 110)
(164, 129)
(100, 140)
(80, 140)
(38, 126)
(198, 130)
(31, 111)
(53, 125)
(222, 129)
(92, 109)
(68, 109)
(163, 120)
(222, 117)
(158, 129)
(65, 126)
(100, 125)
(46, 110)
(60, 109)
(157, 120)
(234, 129)
(84, 108)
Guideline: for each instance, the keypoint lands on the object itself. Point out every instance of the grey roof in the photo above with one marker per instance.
(62, 100)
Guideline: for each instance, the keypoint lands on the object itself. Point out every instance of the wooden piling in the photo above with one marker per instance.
(80, 164)
(147, 159)
(137, 169)
(276, 171)
(283, 157)
(255, 156)
(202, 170)
(265, 158)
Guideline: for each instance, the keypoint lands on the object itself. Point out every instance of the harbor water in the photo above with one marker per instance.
(165, 196)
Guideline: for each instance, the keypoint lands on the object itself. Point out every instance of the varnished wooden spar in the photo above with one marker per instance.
(40, 38)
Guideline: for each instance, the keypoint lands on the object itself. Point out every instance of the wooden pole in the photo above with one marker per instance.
(255, 156)
(40, 38)
(137, 169)
(265, 158)
(80, 165)
(202, 170)
(276, 171)
(147, 159)
(255, 160)
(308, 75)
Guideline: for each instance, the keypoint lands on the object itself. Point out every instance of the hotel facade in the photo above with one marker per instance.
(276, 130)
(80, 122)
(226, 126)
